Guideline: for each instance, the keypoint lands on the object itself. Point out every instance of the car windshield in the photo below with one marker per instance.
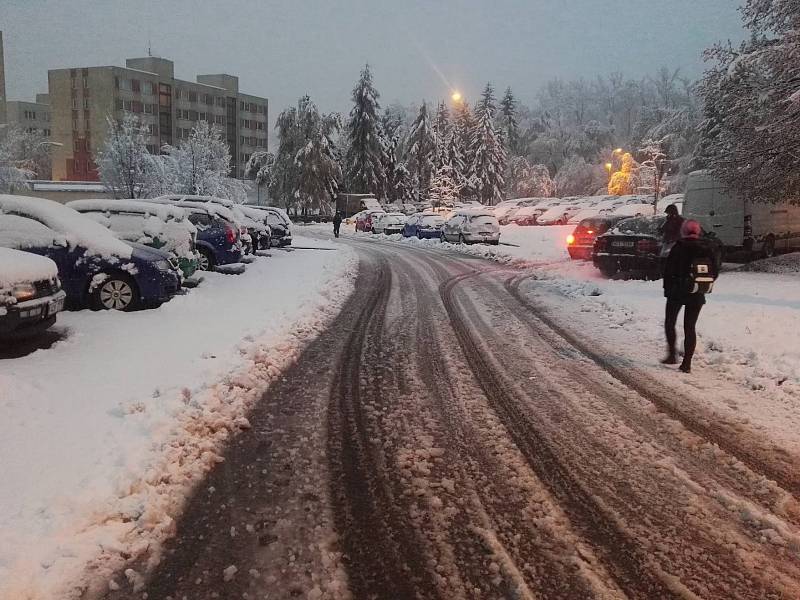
(639, 226)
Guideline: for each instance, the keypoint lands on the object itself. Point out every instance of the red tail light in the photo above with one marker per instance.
(230, 234)
(647, 246)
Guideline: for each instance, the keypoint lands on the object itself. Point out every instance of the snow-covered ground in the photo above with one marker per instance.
(748, 357)
(103, 434)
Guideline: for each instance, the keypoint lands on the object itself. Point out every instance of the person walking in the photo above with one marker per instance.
(689, 274)
(337, 223)
(671, 229)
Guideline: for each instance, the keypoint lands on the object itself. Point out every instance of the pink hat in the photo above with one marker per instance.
(691, 230)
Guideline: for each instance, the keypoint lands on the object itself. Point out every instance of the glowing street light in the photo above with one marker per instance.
(456, 96)
(618, 151)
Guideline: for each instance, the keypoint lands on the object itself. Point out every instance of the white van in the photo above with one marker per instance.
(758, 228)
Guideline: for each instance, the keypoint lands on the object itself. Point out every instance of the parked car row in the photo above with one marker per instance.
(470, 225)
(563, 211)
(117, 254)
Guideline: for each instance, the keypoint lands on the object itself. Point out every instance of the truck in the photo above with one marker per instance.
(745, 227)
(350, 204)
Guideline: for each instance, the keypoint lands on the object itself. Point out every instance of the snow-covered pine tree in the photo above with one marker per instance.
(445, 190)
(463, 130)
(454, 158)
(489, 155)
(123, 160)
(751, 132)
(508, 122)
(365, 172)
(443, 130)
(403, 185)
(306, 173)
(421, 154)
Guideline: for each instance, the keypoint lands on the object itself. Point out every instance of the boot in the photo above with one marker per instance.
(686, 366)
(669, 359)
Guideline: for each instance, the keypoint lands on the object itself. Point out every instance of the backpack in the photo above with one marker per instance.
(700, 279)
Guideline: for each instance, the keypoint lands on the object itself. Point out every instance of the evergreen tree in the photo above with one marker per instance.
(403, 185)
(443, 130)
(488, 153)
(461, 142)
(508, 122)
(422, 151)
(306, 174)
(454, 158)
(364, 160)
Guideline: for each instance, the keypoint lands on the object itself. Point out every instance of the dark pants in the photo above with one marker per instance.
(693, 306)
(336, 229)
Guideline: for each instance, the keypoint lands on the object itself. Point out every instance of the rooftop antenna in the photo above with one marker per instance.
(149, 44)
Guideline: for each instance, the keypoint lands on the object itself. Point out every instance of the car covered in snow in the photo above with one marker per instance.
(424, 226)
(471, 226)
(638, 209)
(635, 245)
(366, 219)
(558, 215)
(581, 241)
(96, 268)
(30, 294)
(279, 223)
(217, 242)
(389, 223)
(157, 226)
(250, 230)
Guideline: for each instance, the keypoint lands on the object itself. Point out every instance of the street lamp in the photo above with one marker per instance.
(456, 96)
(609, 168)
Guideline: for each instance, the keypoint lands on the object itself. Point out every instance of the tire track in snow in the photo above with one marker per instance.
(785, 474)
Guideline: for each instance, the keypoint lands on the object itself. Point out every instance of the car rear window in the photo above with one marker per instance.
(639, 226)
(431, 221)
(484, 220)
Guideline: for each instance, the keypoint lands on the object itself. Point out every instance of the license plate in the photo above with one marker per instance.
(55, 306)
(623, 244)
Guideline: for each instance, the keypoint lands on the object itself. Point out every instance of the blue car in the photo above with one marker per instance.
(218, 242)
(96, 269)
(424, 226)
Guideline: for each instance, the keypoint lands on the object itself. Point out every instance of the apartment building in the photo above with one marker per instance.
(81, 99)
(30, 116)
(2, 82)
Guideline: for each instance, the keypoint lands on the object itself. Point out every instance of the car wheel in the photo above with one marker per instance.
(206, 260)
(117, 292)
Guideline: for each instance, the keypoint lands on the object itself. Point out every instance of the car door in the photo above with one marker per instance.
(410, 228)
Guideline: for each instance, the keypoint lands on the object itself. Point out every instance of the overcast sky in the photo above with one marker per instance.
(419, 50)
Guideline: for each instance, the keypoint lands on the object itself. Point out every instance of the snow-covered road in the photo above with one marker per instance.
(452, 435)
(103, 434)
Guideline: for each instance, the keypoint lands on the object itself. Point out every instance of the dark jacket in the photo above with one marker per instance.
(678, 266)
(671, 229)
(337, 219)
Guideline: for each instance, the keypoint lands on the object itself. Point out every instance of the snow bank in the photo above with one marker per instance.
(103, 435)
(77, 229)
(17, 267)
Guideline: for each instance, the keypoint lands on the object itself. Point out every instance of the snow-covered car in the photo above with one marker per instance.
(96, 268)
(365, 220)
(581, 241)
(30, 294)
(250, 230)
(471, 226)
(424, 226)
(279, 223)
(558, 215)
(157, 226)
(523, 216)
(634, 210)
(218, 235)
(389, 223)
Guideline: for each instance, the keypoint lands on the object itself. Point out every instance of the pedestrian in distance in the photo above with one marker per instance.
(337, 223)
(671, 229)
(689, 275)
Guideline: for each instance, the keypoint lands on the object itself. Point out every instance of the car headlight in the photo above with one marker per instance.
(23, 292)
(163, 265)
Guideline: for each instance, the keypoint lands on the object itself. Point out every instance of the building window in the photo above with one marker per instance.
(219, 119)
(220, 101)
(75, 124)
(192, 96)
(47, 132)
(203, 116)
(165, 95)
(136, 85)
(152, 129)
(86, 118)
(149, 88)
(86, 103)
(125, 84)
(85, 82)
